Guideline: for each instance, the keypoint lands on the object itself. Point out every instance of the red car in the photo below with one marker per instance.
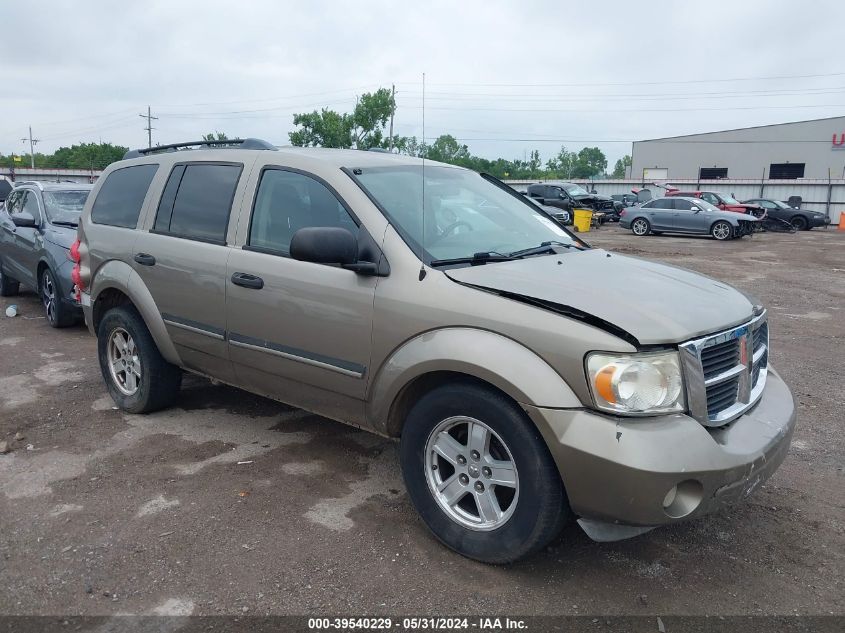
(721, 200)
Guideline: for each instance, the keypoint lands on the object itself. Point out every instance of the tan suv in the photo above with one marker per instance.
(530, 378)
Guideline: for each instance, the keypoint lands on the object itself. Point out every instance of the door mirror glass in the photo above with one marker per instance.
(694, 208)
(324, 245)
(24, 219)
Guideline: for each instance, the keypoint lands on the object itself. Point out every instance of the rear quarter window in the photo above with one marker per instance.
(119, 201)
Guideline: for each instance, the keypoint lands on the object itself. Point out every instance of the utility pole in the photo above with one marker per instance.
(32, 143)
(150, 118)
(392, 112)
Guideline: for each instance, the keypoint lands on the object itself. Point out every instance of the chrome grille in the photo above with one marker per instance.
(717, 358)
(725, 372)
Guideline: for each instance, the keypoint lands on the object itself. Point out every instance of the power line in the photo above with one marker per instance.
(634, 110)
(637, 83)
(150, 118)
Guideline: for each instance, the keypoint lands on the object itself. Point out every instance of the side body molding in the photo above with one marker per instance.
(494, 358)
(120, 276)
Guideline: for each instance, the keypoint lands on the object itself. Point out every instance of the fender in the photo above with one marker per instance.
(496, 359)
(120, 276)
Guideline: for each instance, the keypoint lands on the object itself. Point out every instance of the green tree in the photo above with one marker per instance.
(215, 136)
(589, 163)
(619, 168)
(82, 156)
(363, 128)
(446, 149)
(562, 165)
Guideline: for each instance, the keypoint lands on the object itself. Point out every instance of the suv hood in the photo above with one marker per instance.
(593, 196)
(654, 303)
(63, 236)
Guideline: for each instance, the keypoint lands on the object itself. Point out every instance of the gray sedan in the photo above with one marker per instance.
(37, 227)
(686, 215)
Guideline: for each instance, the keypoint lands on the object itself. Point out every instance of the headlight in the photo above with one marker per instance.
(636, 384)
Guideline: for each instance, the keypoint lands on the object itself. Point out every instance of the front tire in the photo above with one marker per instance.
(8, 287)
(137, 376)
(799, 223)
(640, 227)
(480, 475)
(722, 230)
(57, 312)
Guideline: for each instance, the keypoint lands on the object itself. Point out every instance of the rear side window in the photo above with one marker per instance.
(197, 201)
(119, 200)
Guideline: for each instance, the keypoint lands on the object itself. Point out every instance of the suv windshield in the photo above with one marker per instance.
(64, 207)
(464, 213)
(575, 190)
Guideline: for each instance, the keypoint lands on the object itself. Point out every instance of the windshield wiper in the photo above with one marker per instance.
(544, 247)
(65, 223)
(476, 259)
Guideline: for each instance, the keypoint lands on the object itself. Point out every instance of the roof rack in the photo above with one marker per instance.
(34, 183)
(237, 143)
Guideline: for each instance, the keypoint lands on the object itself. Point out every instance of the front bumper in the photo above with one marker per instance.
(819, 221)
(619, 470)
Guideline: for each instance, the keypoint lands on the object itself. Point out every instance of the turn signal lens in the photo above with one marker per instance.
(636, 384)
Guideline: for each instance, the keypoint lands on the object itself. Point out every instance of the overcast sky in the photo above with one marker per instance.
(504, 77)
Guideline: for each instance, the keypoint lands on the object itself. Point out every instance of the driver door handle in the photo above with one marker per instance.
(247, 281)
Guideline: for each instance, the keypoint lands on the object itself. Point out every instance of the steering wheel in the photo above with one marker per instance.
(454, 226)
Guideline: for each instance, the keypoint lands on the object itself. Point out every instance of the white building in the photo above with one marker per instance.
(803, 149)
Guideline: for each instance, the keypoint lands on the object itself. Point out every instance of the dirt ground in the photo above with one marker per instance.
(105, 513)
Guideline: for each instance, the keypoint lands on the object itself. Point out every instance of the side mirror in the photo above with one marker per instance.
(696, 209)
(329, 245)
(24, 219)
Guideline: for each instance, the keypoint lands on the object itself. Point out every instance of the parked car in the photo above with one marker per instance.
(569, 196)
(37, 228)
(522, 397)
(5, 190)
(625, 199)
(723, 201)
(801, 219)
(686, 215)
(556, 213)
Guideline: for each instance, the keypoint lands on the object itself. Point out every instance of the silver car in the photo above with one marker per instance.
(686, 215)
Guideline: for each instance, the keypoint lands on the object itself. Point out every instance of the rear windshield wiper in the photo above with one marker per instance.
(544, 247)
(476, 259)
(65, 223)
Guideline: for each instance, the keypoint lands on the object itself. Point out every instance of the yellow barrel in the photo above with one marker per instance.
(582, 220)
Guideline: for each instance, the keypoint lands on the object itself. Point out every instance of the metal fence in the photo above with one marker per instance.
(827, 196)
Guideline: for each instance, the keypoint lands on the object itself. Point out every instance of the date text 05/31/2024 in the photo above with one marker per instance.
(480, 624)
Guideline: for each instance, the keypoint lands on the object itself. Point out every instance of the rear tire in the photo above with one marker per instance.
(137, 376)
(640, 227)
(58, 313)
(8, 287)
(488, 522)
(722, 230)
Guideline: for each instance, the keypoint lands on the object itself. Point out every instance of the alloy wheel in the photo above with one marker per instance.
(640, 227)
(124, 362)
(471, 473)
(48, 295)
(722, 230)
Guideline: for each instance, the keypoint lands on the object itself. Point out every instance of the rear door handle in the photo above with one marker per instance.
(144, 259)
(248, 281)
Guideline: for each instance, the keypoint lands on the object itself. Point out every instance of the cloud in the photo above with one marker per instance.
(549, 73)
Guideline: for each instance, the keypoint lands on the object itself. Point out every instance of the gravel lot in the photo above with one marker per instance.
(110, 513)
